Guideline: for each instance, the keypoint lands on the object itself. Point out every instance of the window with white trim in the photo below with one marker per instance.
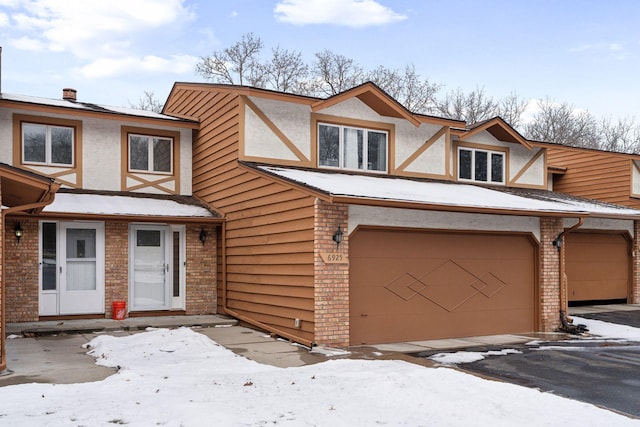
(47, 144)
(355, 148)
(481, 165)
(150, 154)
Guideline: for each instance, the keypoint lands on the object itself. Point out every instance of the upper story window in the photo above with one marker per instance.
(350, 147)
(481, 165)
(150, 154)
(47, 144)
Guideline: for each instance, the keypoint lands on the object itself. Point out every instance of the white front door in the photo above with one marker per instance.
(72, 268)
(156, 267)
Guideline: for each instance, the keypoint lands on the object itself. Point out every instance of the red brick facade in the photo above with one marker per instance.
(331, 280)
(22, 269)
(201, 270)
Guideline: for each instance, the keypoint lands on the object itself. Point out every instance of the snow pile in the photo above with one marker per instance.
(609, 330)
(469, 356)
(182, 378)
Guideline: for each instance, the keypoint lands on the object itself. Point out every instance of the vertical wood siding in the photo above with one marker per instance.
(269, 226)
(593, 174)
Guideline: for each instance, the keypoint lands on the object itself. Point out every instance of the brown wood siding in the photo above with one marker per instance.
(593, 174)
(269, 226)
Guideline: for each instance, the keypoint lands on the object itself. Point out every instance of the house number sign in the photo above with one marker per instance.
(333, 258)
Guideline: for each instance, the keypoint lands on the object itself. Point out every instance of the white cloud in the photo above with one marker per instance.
(4, 20)
(109, 67)
(611, 47)
(27, 43)
(350, 13)
(82, 27)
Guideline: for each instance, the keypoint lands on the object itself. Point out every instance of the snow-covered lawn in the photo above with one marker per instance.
(182, 378)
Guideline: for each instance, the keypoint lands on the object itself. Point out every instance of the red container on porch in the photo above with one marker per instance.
(119, 310)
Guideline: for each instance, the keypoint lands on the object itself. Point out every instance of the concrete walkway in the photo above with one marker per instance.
(51, 351)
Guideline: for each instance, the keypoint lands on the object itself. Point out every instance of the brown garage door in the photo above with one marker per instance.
(598, 266)
(409, 286)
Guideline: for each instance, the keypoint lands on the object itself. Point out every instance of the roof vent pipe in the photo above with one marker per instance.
(69, 94)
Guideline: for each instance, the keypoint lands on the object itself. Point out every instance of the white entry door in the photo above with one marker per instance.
(156, 267)
(81, 268)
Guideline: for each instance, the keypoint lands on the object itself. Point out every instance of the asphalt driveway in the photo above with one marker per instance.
(605, 373)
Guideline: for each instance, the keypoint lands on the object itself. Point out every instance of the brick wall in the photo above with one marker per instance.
(116, 268)
(549, 302)
(21, 271)
(331, 283)
(201, 271)
(635, 265)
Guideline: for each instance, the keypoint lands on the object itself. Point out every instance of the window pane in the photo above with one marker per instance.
(329, 145)
(481, 165)
(61, 145)
(81, 243)
(464, 164)
(138, 152)
(49, 257)
(34, 139)
(161, 155)
(497, 167)
(353, 142)
(148, 238)
(377, 151)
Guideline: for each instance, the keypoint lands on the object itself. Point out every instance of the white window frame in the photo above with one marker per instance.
(365, 148)
(47, 142)
(489, 153)
(150, 157)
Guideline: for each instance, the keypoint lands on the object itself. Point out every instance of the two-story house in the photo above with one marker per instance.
(350, 220)
(124, 225)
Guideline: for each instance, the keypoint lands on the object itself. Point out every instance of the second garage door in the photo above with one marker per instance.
(598, 266)
(410, 286)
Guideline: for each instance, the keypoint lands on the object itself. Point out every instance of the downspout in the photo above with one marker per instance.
(567, 322)
(3, 215)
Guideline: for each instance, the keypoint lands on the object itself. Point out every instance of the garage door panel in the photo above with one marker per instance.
(597, 266)
(417, 286)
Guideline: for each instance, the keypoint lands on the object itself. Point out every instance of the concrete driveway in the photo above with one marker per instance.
(605, 373)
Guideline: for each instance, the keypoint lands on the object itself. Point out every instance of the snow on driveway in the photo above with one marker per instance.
(181, 378)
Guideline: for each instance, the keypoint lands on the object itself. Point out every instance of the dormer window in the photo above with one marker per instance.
(355, 148)
(481, 165)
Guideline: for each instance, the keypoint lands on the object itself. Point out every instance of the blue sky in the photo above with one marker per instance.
(583, 52)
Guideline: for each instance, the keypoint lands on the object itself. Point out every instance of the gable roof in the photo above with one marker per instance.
(77, 107)
(497, 127)
(340, 187)
(368, 93)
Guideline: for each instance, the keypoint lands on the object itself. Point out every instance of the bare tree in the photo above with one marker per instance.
(285, 70)
(562, 124)
(407, 87)
(148, 102)
(336, 73)
(237, 64)
(622, 135)
(471, 107)
(511, 109)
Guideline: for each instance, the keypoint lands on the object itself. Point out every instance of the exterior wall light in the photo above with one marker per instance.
(17, 230)
(202, 236)
(337, 237)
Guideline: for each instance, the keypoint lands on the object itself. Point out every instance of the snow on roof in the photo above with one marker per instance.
(99, 204)
(85, 106)
(445, 193)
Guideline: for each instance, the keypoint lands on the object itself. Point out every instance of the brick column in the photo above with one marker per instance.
(549, 274)
(116, 268)
(635, 265)
(201, 283)
(21, 271)
(331, 281)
